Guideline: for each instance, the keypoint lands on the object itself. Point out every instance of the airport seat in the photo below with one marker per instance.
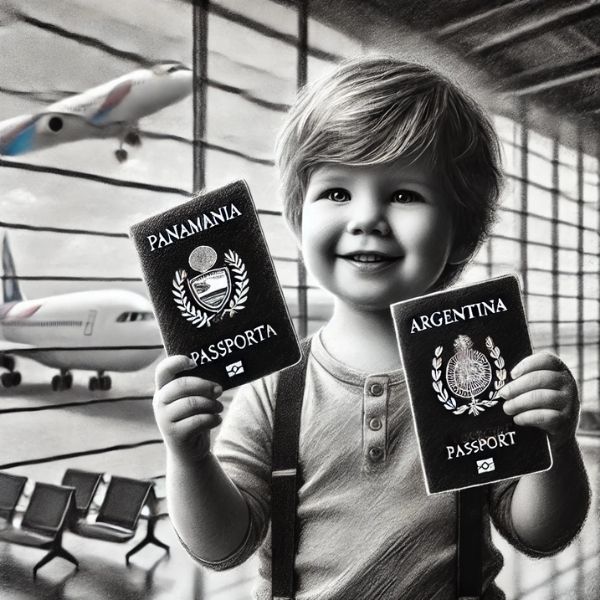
(119, 514)
(86, 484)
(43, 523)
(11, 488)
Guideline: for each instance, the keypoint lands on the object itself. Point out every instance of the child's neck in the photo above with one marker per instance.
(362, 340)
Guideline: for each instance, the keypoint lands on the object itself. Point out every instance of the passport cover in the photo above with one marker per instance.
(457, 348)
(214, 288)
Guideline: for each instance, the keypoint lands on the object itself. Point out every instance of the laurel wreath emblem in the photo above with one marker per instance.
(196, 316)
(241, 282)
(476, 406)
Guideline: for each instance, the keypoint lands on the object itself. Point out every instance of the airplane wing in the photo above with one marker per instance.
(33, 132)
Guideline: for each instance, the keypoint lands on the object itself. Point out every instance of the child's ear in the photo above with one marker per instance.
(458, 255)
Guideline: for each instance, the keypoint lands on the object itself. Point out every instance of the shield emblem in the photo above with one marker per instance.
(211, 289)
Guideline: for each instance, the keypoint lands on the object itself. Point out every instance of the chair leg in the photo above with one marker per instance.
(149, 539)
(46, 559)
(55, 552)
(67, 556)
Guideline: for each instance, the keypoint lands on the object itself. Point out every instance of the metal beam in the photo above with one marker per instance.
(485, 15)
(556, 20)
(538, 80)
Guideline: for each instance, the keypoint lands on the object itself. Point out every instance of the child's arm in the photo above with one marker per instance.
(548, 508)
(206, 508)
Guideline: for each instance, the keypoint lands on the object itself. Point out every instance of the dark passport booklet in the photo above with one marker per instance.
(458, 347)
(214, 289)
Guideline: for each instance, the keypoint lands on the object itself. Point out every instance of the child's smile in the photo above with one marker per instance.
(373, 235)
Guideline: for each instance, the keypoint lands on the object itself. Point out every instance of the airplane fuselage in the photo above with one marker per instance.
(95, 323)
(107, 110)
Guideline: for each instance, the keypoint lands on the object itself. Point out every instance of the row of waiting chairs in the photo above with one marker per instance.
(53, 508)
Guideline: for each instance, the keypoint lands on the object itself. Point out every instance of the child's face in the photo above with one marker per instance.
(375, 235)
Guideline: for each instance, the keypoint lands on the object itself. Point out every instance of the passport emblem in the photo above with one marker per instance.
(468, 374)
(213, 293)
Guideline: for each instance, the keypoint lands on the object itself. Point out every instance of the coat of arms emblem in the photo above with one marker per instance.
(216, 292)
(468, 375)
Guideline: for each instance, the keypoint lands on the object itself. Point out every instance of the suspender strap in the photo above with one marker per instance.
(284, 494)
(469, 529)
(285, 476)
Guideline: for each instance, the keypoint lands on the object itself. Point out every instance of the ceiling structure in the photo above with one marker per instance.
(543, 54)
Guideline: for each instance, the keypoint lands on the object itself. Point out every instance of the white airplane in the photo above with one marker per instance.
(94, 324)
(108, 110)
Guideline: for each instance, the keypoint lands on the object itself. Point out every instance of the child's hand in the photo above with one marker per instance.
(543, 394)
(185, 408)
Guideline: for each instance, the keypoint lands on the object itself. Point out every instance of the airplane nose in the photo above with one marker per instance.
(181, 82)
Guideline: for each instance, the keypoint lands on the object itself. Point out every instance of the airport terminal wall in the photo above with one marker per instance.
(66, 207)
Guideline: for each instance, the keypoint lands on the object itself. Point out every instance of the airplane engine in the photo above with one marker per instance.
(50, 124)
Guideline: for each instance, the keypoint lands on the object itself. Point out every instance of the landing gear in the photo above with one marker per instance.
(133, 138)
(102, 382)
(121, 155)
(7, 361)
(61, 382)
(12, 378)
(129, 136)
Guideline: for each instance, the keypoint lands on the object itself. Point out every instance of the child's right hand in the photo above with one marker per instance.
(185, 408)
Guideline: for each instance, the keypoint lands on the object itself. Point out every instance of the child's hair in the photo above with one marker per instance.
(375, 110)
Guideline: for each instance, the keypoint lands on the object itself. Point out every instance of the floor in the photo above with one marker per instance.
(38, 428)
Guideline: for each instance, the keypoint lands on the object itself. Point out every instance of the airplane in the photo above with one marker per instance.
(88, 321)
(111, 109)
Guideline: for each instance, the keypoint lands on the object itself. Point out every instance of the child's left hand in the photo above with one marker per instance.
(543, 394)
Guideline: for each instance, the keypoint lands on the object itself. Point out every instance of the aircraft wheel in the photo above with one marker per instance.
(68, 381)
(7, 380)
(16, 378)
(121, 155)
(93, 384)
(105, 382)
(8, 362)
(133, 138)
(56, 383)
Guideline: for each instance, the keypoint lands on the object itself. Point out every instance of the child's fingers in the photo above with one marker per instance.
(536, 399)
(189, 406)
(536, 362)
(167, 369)
(533, 380)
(188, 386)
(551, 421)
(188, 427)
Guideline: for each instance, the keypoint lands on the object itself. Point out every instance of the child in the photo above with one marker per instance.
(390, 177)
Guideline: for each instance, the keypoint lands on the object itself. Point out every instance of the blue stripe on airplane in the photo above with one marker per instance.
(22, 142)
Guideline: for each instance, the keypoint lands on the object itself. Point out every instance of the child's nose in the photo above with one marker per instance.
(368, 216)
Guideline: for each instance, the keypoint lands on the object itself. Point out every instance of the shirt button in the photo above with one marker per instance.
(376, 389)
(375, 424)
(375, 453)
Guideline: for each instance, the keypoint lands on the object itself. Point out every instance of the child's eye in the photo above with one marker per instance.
(406, 197)
(336, 195)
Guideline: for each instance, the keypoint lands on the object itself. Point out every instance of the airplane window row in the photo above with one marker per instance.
(135, 316)
(33, 323)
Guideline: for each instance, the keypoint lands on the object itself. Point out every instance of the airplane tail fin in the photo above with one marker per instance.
(11, 290)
